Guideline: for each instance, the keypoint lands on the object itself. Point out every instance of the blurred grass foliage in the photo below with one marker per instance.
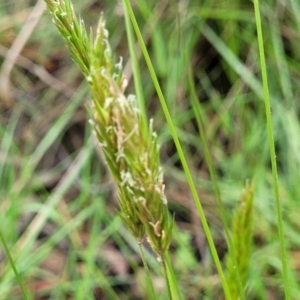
(57, 202)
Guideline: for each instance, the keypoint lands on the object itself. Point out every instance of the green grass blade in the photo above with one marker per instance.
(11, 261)
(272, 150)
(180, 152)
(172, 278)
(153, 295)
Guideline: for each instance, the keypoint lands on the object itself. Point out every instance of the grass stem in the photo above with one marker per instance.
(175, 288)
(272, 149)
(163, 262)
(149, 280)
(180, 152)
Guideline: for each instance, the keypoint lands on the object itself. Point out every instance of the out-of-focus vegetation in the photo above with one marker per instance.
(57, 201)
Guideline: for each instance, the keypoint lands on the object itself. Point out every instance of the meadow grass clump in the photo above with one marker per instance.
(203, 62)
(130, 148)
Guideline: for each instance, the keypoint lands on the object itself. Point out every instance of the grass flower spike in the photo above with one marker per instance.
(242, 240)
(130, 149)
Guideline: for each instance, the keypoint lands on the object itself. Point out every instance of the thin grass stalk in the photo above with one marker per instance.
(140, 96)
(260, 40)
(163, 263)
(208, 159)
(11, 261)
(180, 152)
(175, 288)
(148, 275)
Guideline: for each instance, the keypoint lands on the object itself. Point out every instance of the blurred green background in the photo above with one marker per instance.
(58, 207)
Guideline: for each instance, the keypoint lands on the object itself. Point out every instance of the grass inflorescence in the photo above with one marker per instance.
(130, 149)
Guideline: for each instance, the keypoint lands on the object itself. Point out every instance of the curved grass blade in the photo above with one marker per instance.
(180, 152)
(272, 150)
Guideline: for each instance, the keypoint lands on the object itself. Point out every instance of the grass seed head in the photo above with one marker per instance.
(130, 149)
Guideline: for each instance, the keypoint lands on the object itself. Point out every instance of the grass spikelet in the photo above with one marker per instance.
(242, 241)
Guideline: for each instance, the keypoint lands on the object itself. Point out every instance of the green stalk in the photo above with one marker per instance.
(149, 280)
(163, 262)
(172, 279)
(13, 265)
(171, 282)
(272, 150)
(180, 152)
